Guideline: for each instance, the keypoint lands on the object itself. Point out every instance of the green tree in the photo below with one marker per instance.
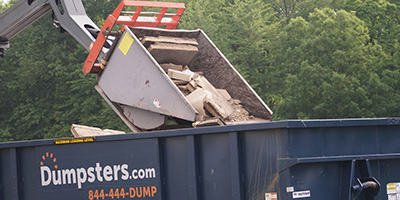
(202, 14)
(382, 19)
(289, 9)
(328, 68)
(244, 29)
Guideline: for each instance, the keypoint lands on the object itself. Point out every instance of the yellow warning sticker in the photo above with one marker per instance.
(74, 140)
(391, 188)
(126, 43)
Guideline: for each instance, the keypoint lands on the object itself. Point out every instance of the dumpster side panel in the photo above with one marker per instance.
(175, 163)
(388, 139)
(215, 166)
(387, 171)
(202, 167)
(6, 189)
(316, 142)
(261, 149)
(320, 179)
(328, 161)
(229, 162)
(90, 170)
(27, 168)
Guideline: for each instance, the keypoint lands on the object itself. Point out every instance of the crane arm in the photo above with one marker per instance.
(69, 16)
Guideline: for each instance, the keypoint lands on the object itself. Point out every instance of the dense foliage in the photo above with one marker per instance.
(307, 59)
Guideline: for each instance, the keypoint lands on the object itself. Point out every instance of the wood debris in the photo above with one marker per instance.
(208, 101)
(214, 106)
(86, 131)
(148, 40)
(168, 66)
(215, 121)
(179, 51)
(185, 75)
(196, 99)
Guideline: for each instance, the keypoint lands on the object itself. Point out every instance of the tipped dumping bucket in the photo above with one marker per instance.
(154, 76)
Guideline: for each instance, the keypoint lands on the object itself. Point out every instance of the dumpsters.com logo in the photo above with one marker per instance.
(51, 173)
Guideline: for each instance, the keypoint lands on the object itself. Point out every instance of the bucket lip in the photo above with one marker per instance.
(286, 124)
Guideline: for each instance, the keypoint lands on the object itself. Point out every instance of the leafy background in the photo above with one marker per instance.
(307, 59)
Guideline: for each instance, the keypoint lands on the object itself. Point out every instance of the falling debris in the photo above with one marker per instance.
(185, 75)
(214, 106)
(168, 66)
(208, 101)
(216, 121)
(86, 131)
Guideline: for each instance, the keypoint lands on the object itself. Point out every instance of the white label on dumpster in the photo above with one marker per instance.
(392, 197)
(271, 196)
(290, 189)
(301, 194)
(157, 103)
(393, 191)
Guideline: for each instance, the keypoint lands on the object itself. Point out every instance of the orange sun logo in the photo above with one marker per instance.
(51, 157)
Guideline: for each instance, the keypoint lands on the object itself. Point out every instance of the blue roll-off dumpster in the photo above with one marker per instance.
(313, 159)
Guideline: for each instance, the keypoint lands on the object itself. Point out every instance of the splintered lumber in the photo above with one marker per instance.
(182, 87)
(180, 54)
(216, 104)
(185, 75)
(86, 131)
(191, 86)
(168, 66)
(205, 98)
(215, 108)
(202, 82)
(196, 99)
(215, 121)
(251, 119)
(180, 82)
(148, 40)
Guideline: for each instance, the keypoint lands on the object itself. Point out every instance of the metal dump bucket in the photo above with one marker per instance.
(142, 94)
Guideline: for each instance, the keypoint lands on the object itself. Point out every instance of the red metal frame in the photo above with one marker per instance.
(136, 20)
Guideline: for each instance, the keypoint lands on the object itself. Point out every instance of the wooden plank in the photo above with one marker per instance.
(148, 40)
(251, 120)
(192, 86)
(196, 99)
(183, 87)
(173, 53)
(217, 102)
(225, 94)
(171, 66)
(185, 75)
(215, 121)
(215, 109)
(85, 131)
(180, 82)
